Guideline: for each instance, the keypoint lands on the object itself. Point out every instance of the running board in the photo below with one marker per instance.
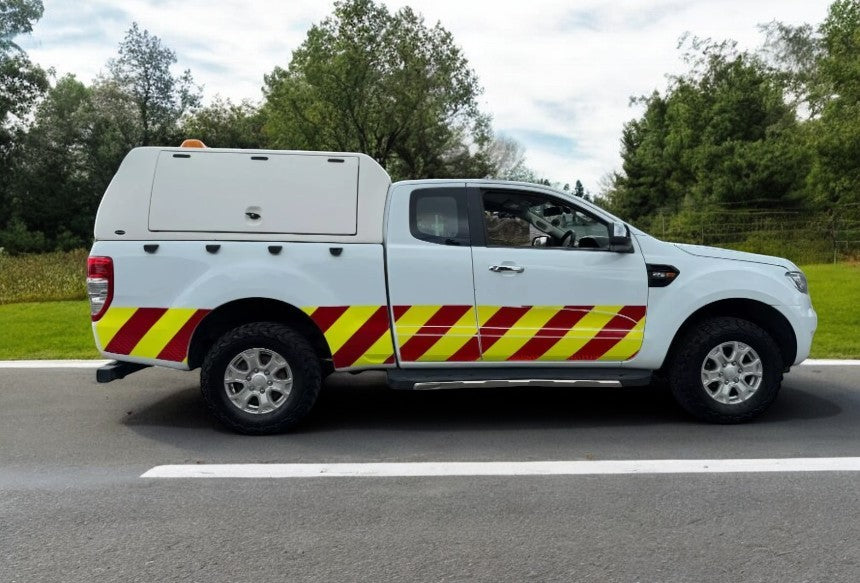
(434, 379)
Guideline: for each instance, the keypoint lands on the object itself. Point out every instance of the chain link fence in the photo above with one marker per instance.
(800, 235)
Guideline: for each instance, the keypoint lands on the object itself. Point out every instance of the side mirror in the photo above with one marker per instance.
(540, 241)
(619, 240)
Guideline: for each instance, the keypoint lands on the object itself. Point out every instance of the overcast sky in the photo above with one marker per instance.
(557, 75)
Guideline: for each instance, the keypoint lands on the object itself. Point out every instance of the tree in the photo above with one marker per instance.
(721, 135)
(225, 124)
(386, 84)
(835, 176)
(142, 73)
(52, 186)
(21, 85)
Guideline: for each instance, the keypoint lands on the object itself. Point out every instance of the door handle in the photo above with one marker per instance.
(507, 268)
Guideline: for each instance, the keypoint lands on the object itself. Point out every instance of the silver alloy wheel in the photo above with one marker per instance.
(258, 380)
(732, 372)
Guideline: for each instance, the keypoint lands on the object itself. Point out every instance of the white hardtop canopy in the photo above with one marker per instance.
(193, 193)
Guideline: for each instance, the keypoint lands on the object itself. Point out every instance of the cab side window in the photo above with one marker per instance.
(439, 215)
(520, 219)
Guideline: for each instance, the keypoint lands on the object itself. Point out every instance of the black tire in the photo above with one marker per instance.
(292, 346)
(685, 370)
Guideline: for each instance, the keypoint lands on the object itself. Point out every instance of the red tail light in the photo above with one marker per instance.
(99, 285)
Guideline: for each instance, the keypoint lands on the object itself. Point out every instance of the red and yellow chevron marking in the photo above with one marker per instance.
(359, 336)
(159, 333)
(558, 333)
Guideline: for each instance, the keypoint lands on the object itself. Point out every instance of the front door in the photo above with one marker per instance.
(547, 287)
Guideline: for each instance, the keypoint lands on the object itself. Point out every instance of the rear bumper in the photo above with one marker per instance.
(116, 370)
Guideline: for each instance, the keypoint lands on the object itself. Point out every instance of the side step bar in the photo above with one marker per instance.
(433, 379)
(116, 370)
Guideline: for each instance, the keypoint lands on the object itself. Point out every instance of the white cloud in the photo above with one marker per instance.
(553, 71)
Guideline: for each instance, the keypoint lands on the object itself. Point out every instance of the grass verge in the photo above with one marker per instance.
(46, 330)
(835, 291)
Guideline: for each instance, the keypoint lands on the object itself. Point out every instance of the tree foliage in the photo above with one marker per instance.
(387, 84)
(141, 73)
(777, 128)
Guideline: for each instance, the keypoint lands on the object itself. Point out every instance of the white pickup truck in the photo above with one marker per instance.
(271, 269)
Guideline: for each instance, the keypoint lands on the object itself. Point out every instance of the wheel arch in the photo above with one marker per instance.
(763, 315)
(243, 311)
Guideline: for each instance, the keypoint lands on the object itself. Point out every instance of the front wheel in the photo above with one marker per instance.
(260, 378)
(726, 370)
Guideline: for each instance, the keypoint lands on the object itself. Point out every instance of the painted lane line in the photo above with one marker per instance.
(546, 468)
(53, 363)
(829, 362)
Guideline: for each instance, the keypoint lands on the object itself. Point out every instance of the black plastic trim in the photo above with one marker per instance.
(213, 248)
(336, 251)
(661, 281)
(150, 248)
(116, 370)
(275, 249)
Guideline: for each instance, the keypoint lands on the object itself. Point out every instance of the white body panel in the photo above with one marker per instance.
(304, 194)
(182, 274)
(124, 213)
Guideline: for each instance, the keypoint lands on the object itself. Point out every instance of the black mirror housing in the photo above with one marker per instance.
(619, 239)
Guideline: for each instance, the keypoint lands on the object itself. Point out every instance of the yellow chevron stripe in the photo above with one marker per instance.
(162, 332)
(461, 332)
(627, 346)
(109, 324)
(521, 332)
(583, 331)
(378, 353)
(347, 325)
(412, 320)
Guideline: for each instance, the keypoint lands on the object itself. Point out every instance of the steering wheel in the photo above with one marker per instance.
(567, 239)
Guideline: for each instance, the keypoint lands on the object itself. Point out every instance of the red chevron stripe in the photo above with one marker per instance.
(371, 331)
(611, 334)
(469, 352)
(435, 328)
(499, 323)
(177, 349)
(325, 316)
(553, 331)
(133, 330)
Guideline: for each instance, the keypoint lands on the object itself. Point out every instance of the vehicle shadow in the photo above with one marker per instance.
(352, 402)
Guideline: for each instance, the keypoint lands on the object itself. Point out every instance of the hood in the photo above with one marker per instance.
(717, 253)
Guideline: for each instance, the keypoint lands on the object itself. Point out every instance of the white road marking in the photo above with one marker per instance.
(546, 468)
(53, 363)
(829, 362)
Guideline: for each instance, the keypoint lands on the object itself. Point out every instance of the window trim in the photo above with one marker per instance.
(479, 216)
(459, 195)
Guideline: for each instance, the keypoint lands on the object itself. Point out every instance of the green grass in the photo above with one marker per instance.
(835, 291)
(46, 330)
(61, 329)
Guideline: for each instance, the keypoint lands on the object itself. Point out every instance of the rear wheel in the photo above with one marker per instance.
(260, 378)
(726, 370)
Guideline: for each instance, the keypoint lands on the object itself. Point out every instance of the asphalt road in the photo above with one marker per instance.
(73, 507)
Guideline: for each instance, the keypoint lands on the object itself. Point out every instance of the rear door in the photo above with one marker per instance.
(547, 287)
(429, 268)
